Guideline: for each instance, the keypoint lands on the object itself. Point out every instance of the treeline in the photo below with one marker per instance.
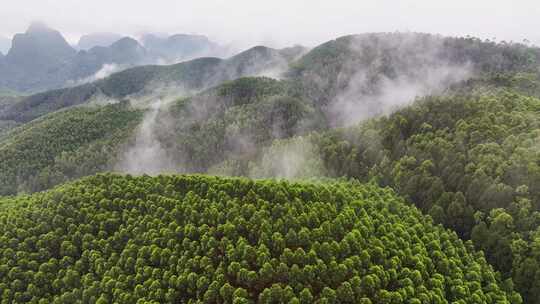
(180, 239)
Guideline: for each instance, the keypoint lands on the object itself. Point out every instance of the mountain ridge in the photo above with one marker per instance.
(193, 75)
(41, 59)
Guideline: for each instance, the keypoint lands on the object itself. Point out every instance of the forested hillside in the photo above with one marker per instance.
(63, 146)
(452, 125)
(365, 62)
(470, 160)
(358, 67)
(181, 79)
(235, 120)
(172, 239)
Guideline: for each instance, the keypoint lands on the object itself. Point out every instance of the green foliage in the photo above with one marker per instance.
(327, 70)
(190, 76)
(179, 239)
(234, 119)
(470, 161)
(468, 158)
(63, 146)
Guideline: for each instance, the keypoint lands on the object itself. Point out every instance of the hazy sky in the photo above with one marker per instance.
(278, 22)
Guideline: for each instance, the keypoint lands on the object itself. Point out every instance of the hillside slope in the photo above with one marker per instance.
(350, 78)
(468, 159)
(232, 121)
(62, 146)
(225, 122)
(172, 239)
(182, 79)
(364, 63)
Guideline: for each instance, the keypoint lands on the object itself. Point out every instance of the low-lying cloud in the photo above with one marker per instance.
(147, 155)
(105, 71)
(353, 105)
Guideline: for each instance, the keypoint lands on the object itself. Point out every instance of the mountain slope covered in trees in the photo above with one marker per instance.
(62, 146)
(469, 159)
(235, 119)
(180, 79)
(466, 153)
(173, 239)
(327, 70)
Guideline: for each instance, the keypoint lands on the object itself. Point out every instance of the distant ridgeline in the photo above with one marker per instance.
(41, 59)
(180, 239)
(151, 81)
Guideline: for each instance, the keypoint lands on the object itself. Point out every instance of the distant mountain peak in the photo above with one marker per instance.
(38, 40)
(178, 46)
(125, 41)
(39, 27)
(103, 39)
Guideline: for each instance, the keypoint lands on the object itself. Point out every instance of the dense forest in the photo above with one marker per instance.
(469, 160)
(63, 146)
(180, 79)
(108, 239)
(462, 149)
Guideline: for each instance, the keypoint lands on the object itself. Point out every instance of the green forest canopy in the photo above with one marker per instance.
(171, 239)
(469, 158)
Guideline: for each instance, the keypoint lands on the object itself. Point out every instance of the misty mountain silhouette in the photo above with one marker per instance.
(179, 46)
(41, 59)
(5, 45)
(89, 41)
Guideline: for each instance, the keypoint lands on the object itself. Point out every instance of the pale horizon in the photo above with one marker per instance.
(277, 23)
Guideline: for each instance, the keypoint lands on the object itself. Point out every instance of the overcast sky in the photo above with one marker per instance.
(278, 22)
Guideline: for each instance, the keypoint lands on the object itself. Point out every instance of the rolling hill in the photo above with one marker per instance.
(171, 239)
(62, 146)
(182, 78)
(470, 160)
(350, 78)
(462, 148)
(234, 118)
